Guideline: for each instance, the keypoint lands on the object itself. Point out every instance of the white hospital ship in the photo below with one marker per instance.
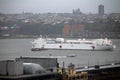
(71, 44)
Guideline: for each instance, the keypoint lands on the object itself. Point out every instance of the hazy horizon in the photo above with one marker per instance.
(58, 6)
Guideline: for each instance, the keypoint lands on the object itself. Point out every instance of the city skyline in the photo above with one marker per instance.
(58, 6)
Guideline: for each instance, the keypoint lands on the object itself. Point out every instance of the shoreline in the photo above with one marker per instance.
(31, 37)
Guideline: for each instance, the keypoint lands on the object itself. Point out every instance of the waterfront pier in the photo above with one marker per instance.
(15, 70)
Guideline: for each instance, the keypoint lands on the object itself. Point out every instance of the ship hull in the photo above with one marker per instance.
(72, 47)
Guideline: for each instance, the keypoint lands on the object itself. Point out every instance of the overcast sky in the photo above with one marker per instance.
(58, 6)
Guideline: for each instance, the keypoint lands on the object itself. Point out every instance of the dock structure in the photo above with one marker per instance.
(103, 72)
(29, 68)
(15, 70)
(97, 72)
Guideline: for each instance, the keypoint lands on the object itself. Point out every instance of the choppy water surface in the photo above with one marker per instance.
(12, 48)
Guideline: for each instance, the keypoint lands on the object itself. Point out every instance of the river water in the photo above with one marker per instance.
(14, 48)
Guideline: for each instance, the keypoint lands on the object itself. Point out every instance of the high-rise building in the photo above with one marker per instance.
(101, 9)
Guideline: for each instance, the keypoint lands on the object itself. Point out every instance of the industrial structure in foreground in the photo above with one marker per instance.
(32, 68)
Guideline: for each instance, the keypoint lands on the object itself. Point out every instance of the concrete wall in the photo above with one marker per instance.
(15, 68)
(10, 67)
(3, 67)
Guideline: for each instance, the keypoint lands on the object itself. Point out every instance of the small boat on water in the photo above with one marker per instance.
(71, 44)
